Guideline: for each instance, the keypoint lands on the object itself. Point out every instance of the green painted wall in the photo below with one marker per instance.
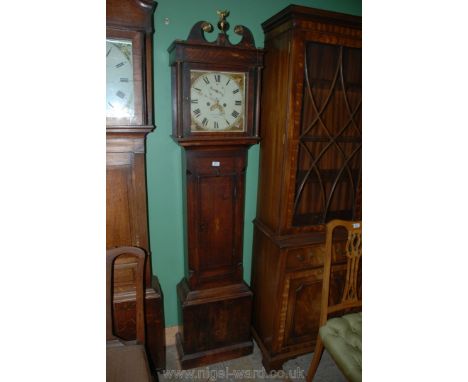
(164, 176)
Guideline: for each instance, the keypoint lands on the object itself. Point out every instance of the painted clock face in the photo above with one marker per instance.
(120, 97)
(217, 101)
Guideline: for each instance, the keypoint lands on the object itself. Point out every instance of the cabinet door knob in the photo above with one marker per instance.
(300, 257)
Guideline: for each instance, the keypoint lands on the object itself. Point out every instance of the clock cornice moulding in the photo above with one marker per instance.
(245, 49)
(141, 16)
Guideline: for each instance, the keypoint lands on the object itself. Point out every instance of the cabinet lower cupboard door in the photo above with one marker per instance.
(301, 303)
(302, 290)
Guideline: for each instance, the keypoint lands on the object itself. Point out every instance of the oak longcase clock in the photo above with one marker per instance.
(129, 118)
(215, 89)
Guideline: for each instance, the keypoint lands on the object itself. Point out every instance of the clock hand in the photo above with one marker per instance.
(217, 91)
(205, 95)
(108, 51)
(199, 92)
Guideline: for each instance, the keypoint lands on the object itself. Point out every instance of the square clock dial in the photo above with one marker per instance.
(217, 101)
(120, 100)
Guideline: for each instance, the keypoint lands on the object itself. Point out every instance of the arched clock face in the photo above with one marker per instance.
(217, 101)
(119, 77)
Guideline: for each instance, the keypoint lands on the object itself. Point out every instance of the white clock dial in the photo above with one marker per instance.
(217, 101)
(119, 75)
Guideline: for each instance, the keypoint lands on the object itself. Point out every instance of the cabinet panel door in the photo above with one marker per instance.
(303, 303)
(302, 318)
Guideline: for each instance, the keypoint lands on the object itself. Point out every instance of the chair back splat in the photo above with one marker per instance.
(353, 250)
(341, 336)
(127, 361)
(140, 257)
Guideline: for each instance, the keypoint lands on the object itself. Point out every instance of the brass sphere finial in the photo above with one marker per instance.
(207, 27)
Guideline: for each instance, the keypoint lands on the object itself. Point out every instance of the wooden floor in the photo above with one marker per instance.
(250, 368)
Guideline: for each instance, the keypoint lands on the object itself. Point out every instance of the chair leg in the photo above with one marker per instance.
(315, 360)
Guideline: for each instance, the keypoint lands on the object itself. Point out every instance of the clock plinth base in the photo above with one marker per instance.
(216, 324)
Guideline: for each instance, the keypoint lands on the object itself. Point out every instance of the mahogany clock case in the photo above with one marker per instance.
(215, 302)
(198, 54)
(126, 208)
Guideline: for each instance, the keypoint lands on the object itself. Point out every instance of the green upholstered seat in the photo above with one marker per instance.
(342, 337)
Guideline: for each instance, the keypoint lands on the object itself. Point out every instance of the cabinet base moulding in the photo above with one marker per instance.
(275, 361)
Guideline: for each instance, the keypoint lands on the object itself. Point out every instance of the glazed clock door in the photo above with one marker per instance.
(124, 82)
(217, 101)
(120, 97)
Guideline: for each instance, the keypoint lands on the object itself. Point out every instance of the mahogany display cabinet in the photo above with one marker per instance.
(310, 171)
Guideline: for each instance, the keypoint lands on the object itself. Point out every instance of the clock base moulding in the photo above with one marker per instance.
(216, 324)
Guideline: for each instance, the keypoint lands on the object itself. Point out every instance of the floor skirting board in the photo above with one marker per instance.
(170, 333)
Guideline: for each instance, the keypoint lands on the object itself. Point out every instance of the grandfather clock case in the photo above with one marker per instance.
(130, 84)
(310, 171)
(216, 89)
